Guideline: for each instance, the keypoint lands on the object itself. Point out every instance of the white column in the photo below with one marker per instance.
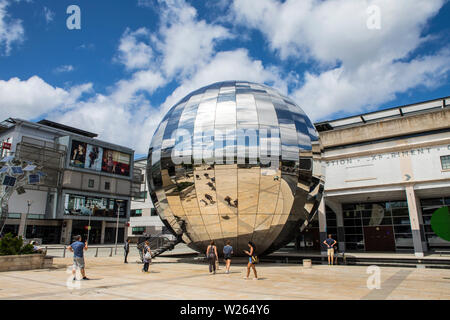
(22, 231)
(415, 218)
(66, 232)
(102, 236)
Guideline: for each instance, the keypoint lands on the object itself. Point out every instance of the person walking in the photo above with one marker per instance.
(330, 242)
(147, 253)
(211, 254)
(126, 250)
(78, 248)
(252, 259)
(227, 252)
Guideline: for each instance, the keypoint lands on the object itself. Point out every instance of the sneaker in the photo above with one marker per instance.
(246, 278)
(255, 278)
(85, 278)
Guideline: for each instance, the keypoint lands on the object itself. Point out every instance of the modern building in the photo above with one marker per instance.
(88, 182)
(143, 217)
(386, 173)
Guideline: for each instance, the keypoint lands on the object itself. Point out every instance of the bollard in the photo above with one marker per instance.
(110, 254)
(96, 253)
(64, 252)
(307, 263)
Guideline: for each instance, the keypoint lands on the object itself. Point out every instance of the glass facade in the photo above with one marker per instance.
(80, 205)
(393, 216)
(234, 161)
(429, 206)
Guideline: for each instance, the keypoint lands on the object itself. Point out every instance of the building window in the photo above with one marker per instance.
(136, 213)
(99, 207)
(107, 185)
(138, 230)
(91, 183)
(445, 162)
(153, 212)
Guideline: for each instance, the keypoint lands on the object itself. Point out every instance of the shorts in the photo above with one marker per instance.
(330, 252)
(227, 257)
(78, 262)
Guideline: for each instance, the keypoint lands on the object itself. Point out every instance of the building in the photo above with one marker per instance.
(143, 216)
(386, 173)
(88, 182)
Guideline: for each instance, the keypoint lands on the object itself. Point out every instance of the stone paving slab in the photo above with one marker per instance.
(172, 278)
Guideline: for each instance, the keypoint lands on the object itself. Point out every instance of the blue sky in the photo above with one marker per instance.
(133, 59)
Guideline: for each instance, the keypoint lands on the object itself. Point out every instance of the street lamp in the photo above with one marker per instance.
(24, 234)
(119, 202)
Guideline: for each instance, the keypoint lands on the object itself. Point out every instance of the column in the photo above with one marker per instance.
(23, 219)
(322, 226)
(66, 232)
(102, 237)
(415, 218)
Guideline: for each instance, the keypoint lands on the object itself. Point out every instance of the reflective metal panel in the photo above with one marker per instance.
(235, 161)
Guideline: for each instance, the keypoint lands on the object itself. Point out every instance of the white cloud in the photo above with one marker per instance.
(31, 98)
(336, 30)
(185, 42)
(351, 91)
(49, 15)
(229, 65)
(11, 30)
(64, 68)
(135, 53)
(356, 67)
(124, 116)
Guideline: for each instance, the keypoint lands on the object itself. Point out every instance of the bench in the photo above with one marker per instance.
(441, 252)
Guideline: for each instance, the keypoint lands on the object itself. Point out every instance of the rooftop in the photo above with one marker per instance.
(60, 126)
(389, 113)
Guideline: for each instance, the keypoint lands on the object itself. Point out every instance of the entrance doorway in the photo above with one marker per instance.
(379, 238)
(308, 240)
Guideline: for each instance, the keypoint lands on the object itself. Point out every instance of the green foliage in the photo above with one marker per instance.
(10, 245)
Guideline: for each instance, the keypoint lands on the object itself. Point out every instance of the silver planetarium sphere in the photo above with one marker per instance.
(235, 161)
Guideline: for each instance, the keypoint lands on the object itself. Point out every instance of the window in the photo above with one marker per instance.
(153, 212)
(136, 213)
(445, 162)
(107, 185)
(91, 183)
(137, 230)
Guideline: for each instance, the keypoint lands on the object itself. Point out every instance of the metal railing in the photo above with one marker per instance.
(63, 252)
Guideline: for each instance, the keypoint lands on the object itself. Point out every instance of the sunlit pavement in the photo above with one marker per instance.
(182, 278)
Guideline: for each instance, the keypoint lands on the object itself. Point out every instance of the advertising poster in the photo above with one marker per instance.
(116, 162)
(94, 158)
(78, 154)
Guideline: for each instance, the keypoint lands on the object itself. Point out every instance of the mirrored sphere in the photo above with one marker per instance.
(235, 161)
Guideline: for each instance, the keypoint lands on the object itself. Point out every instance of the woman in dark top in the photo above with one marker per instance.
(227, 252)
(251, 262)
(211, 254)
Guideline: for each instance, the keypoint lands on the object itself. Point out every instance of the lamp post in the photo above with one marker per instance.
(24, 234)
(119, 202)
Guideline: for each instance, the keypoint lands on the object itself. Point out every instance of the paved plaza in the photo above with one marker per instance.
(182, 278)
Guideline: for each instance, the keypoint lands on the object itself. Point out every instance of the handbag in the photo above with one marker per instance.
(148, 256)
(255, 260)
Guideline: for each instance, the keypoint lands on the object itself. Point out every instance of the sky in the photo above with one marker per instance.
(131, 60)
